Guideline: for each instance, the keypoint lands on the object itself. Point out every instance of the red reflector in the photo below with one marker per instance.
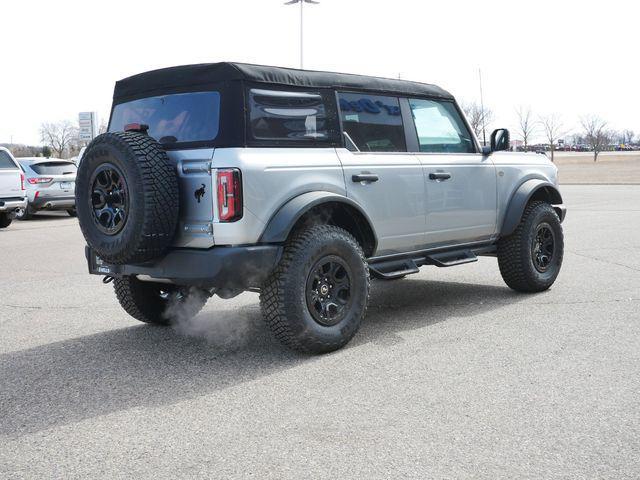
(229, 195)
(22, 187)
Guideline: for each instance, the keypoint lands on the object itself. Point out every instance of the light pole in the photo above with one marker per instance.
(484, 135)
(301, 2)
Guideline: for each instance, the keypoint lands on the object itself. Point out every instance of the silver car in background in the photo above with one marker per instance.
(50, 184)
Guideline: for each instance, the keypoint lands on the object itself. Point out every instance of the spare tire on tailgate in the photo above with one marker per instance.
(127, 197)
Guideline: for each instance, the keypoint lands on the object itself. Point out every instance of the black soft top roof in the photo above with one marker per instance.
(193, 77)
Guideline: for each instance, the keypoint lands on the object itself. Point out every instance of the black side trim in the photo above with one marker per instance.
(286, 217)
(521, 197)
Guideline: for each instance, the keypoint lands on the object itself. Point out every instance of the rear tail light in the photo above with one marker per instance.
(229, 189)
(22, 187)
(35, 181)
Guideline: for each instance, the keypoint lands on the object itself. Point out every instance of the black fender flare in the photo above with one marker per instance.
(281, 223)
(521, 197)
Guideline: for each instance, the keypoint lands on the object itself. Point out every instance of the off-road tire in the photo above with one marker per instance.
(283, 297)
(5, 220)
(515, 251)
(152, 189)
(158, 303)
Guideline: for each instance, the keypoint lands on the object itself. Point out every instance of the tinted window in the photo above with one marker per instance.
(181, 117)
(440, 128)
(373, 122)
(54, 168)
(287, 116)
(5, 161)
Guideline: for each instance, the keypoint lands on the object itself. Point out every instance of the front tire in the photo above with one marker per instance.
(530, 258)
(158, 303)
(317, 296)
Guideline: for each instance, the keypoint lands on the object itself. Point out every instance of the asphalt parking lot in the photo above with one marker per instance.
(451, 376)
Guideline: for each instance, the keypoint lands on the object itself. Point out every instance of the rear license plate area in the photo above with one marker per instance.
(97, 266)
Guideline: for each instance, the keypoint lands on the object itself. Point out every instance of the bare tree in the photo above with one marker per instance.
(103, 127)
(595, 133)
(477, 117)
(627, 136)
(553, 130)
(60, 136)
(526, 125)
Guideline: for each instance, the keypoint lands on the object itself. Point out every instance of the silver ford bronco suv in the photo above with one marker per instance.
(301, 185)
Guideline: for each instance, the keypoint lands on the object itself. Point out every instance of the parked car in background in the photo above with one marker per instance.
(12, 189)
(50, 184)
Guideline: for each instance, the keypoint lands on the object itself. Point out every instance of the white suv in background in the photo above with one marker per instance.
(50, 184)
(12, 189)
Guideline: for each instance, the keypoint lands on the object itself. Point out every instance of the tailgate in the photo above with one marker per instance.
(196, 197)
(10, 184)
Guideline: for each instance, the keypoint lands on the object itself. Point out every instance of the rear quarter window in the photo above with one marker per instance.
(174, 118)
(6, 163)
(291, 117)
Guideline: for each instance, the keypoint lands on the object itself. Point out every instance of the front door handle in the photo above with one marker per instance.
(365, 177)
(439, 176)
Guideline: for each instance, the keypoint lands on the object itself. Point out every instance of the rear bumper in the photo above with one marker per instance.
(12, 204)
(218, 267)
(53, 203)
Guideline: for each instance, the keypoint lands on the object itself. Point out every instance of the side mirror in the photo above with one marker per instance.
(500, 140)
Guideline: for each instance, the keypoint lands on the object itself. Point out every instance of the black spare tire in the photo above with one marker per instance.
(127, 197)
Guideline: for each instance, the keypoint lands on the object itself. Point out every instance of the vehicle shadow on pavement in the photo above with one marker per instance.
(65, 382)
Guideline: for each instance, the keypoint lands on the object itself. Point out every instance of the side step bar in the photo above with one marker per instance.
(451, 259)
(396, 268)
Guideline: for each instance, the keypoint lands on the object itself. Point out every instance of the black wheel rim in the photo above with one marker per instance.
(328, 290)
(109, 199)
(543, 247)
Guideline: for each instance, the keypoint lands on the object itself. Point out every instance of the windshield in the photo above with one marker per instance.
(181, 117)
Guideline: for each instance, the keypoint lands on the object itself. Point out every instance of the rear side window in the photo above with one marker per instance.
(289, 116)
(54, 168)
(373, 122)
(175, 118)
(6, 163)
(440, 128)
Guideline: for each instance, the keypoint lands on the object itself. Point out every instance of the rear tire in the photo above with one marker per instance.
(158, 303)
(24, 213)
(530, 258)
(72, 212)
(5, 220)
(317, 296)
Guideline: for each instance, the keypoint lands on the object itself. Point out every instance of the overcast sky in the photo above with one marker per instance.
(567, 57)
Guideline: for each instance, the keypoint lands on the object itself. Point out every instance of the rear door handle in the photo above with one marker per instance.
(439, 176)
(365, 177)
